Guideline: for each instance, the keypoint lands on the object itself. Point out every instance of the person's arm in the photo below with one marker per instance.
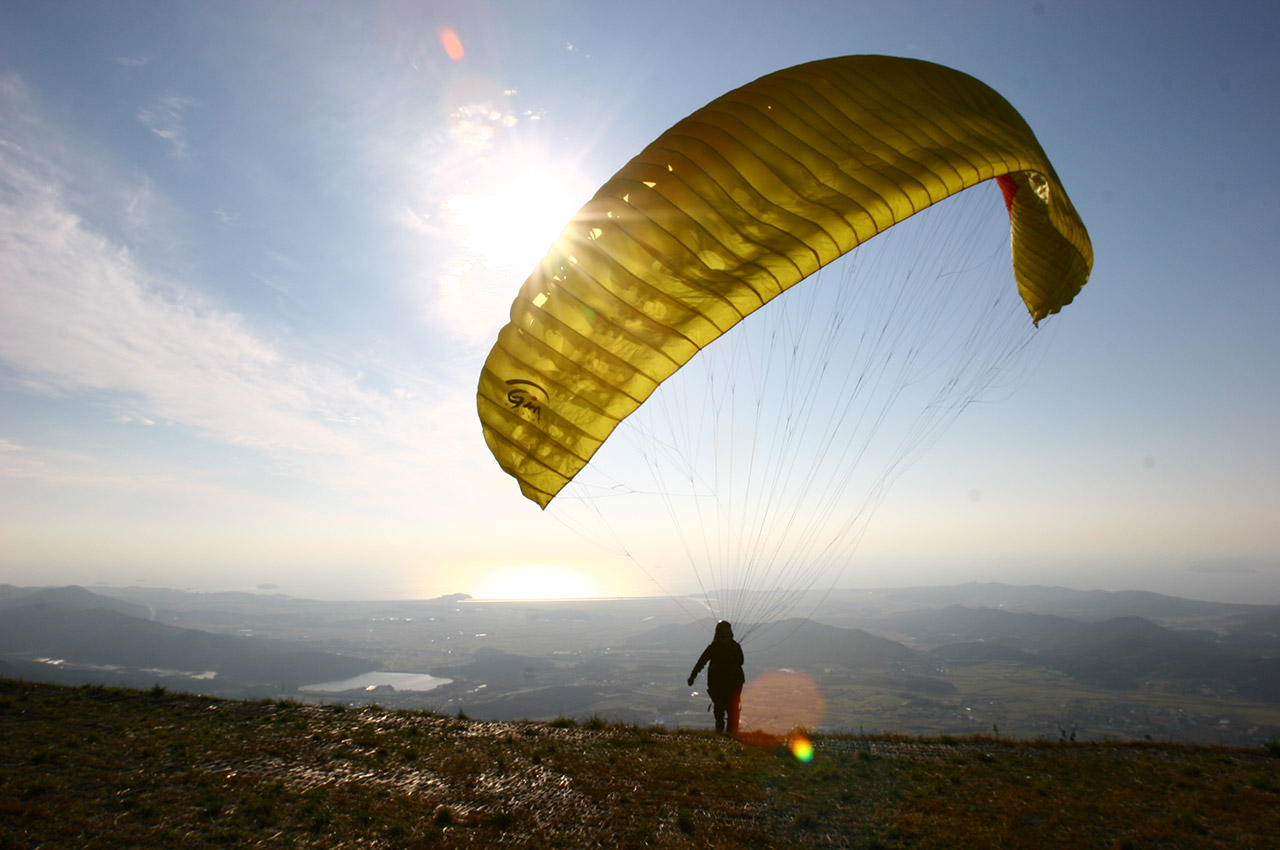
(697, 668)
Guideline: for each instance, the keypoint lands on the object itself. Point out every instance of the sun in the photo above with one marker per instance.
(500, 224)
(511, 220)
(536, 581)
(497, 198)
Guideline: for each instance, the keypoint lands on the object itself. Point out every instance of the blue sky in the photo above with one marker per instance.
(253, 254)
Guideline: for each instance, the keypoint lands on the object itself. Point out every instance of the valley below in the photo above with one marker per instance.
(996, 660)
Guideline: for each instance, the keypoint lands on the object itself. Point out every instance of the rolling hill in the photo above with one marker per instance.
(63, 634)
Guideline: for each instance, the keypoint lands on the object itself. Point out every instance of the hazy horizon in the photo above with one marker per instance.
(1235, 582)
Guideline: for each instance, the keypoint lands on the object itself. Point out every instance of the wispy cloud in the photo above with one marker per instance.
(85, 317)
(165, 116)
(474, 125)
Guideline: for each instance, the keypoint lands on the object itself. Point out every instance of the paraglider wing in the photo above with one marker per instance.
(741, 200)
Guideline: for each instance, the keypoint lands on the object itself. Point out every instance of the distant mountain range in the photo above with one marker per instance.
(790, 642)
(54, 634)
(1117, 653)
(1088, 605)
(612, 655)
(70, 598)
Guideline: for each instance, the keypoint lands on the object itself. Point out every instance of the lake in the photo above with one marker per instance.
(369, 681)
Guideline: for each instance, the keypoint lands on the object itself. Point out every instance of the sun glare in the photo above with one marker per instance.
(499, 200)
(536, 581)
(512, 222)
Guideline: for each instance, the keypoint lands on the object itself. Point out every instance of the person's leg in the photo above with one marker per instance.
(735, 709)
(719, 709)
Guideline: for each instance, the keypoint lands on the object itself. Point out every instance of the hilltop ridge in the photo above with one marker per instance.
(94, 767)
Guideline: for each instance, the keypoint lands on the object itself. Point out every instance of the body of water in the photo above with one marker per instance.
(370, 681)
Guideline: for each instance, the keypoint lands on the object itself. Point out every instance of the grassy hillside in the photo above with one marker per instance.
(93, 767)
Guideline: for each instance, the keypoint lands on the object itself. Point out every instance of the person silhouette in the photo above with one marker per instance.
(723, 660)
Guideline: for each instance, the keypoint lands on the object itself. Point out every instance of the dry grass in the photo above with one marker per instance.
(96, 768)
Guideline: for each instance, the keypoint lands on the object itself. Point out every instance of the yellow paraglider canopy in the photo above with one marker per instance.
(730, 207)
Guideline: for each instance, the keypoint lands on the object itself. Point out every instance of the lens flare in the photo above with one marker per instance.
(451, 43)
(777, 702)
(801, 748)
